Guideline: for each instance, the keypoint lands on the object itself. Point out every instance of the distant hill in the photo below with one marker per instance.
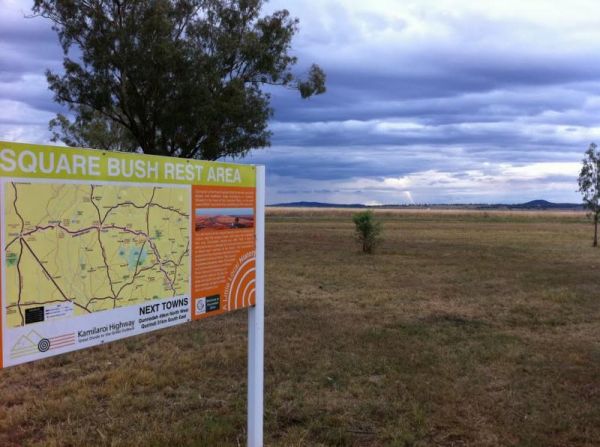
(538, 205)
(532, 205)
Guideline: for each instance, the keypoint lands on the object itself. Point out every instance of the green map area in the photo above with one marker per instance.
(93, 247)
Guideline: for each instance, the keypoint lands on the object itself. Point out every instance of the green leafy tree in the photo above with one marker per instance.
(91, 129)
(589, 185)
(368, 230)
(179, 78)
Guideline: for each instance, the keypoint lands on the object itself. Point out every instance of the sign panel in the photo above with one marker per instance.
(99, 246)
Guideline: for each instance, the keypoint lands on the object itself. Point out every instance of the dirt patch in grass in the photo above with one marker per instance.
(461, 329)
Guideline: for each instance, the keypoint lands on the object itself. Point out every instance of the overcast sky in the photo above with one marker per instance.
(428, 101)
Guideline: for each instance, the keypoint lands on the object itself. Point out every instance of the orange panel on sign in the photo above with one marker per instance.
(223, 249)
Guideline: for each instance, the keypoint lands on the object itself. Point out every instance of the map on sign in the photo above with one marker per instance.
(98, 246)
(78, 248)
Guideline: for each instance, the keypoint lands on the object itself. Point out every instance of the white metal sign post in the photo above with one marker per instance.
(256, 324)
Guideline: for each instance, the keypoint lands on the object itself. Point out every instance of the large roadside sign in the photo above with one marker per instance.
(99, 246)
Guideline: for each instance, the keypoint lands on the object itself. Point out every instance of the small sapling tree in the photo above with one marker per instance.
(589, 185)
(368, 230)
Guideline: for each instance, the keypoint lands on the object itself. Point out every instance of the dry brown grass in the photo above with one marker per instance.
(462, 329)
(325, 211)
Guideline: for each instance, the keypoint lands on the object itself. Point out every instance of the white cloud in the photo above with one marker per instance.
(491, 183)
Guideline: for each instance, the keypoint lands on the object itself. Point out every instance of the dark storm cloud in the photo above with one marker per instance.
(494, 105)
(28, 47)
(475, 138)
(492, 92)
(27, 43)
(323, 163)
(442, 100)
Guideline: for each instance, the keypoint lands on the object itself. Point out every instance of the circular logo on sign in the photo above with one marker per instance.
(201, 306)
(44, 345)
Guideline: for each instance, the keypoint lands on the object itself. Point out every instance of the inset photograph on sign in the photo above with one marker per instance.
(223, 218)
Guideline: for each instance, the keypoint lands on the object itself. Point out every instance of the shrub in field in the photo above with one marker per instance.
(368, 230)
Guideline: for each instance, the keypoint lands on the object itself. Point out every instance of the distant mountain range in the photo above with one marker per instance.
(532, 205)
(538, 205)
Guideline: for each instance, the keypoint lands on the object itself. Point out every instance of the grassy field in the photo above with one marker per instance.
(469, 328)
